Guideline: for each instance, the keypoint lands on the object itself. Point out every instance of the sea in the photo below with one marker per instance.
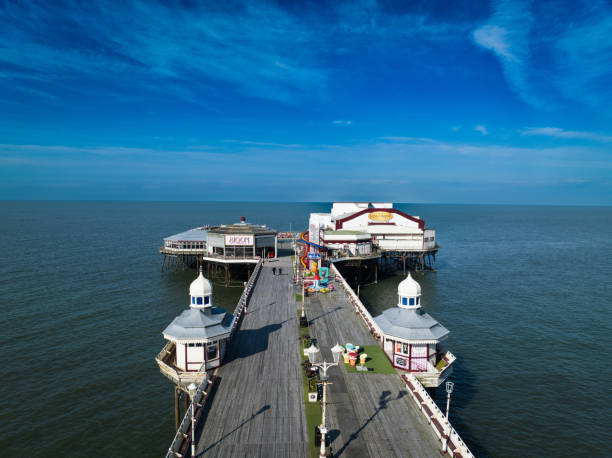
(526, 292)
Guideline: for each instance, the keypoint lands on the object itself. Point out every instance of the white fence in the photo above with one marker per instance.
(242, 303)
(182, 438)
(358, 305)
(435, 418)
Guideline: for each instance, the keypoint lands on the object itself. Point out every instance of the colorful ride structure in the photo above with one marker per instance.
(320, 276)
(305, 239)
(320, 279)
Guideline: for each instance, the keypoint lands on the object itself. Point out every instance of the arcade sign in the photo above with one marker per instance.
(314, 256)
(380, 216)
(239, 240)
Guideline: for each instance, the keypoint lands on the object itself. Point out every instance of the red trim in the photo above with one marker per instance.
(340, 222)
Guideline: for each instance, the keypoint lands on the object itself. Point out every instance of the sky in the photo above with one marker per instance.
(505, 102)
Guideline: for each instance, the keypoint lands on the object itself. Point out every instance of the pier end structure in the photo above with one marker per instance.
(225, 251)
(373, 229)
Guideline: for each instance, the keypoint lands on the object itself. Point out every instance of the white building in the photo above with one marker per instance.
(390, 229)
(197, 337)
(411, 337)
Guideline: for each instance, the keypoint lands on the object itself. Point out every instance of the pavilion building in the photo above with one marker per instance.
(411, 337)
(197, 338)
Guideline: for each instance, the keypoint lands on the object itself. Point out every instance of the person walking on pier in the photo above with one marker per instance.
(273, 270)
(280, 270)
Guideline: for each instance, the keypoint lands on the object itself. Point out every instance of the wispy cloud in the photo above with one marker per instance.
(408, 139)
(271, 144)
(557, 132)
(583, 56)
(342, 122)
(482, 129)
(192, 50)
(507, 36)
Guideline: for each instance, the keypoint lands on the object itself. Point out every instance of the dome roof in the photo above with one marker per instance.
(409, 287)
(200, 286)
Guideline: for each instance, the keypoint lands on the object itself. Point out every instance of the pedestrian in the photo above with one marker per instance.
(273, 270)
(280, 270)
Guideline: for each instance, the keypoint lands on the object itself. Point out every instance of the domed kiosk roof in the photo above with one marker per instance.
(201, 286)
(409, 287)
(199, 325)
(410, 324)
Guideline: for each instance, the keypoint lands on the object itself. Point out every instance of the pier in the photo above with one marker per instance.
(254, 403)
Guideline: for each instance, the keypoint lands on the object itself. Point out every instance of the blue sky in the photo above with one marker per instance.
(434, 101)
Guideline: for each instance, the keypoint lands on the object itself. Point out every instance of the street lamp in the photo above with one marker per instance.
(449, 390)
(193, 389)
(312, 353)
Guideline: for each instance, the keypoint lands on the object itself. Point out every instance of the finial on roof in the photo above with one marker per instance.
(242, 219)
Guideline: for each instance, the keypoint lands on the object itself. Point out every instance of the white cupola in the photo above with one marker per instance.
(200, 292)
(409, 293)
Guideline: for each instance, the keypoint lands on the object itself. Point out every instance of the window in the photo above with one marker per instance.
(412, 301)
(404, 301)
(405, 349)
(193, 300)
(211, 351)
(206, 300)
(199, 301)
(418, 300)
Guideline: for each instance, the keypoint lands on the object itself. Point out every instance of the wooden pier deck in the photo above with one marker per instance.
(256, 405)
(369, 415)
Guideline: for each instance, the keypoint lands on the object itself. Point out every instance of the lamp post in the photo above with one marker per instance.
(303, 312)
(193, 389)
(449, 390)
(312, 352)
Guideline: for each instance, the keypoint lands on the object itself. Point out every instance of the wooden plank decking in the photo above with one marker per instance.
(256, 408)
(369, 415)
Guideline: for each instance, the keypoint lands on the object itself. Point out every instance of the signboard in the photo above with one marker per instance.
(380, 216)
(314, 256)
(239, 240)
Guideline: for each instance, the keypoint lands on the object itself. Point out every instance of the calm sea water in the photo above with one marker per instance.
(526, 292)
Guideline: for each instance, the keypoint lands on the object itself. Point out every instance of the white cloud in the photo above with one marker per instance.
(482, 129)
(507, 36)
(408, 139)
(342, 122)
(557, 132)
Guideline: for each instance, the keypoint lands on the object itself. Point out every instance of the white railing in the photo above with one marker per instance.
(435, 417)
(172, 250)
(358, 305)
(244, 298)
(183, 434)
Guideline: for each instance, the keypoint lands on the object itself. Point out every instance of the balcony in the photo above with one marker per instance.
(436, 375)
(165, 360)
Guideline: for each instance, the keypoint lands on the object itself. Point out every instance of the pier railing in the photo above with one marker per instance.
(358, 305)
(182, 438)
(244, 298)
(436, 419)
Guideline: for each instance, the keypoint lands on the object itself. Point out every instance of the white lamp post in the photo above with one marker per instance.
(449, 390)
(193, 389)
(312, 352)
